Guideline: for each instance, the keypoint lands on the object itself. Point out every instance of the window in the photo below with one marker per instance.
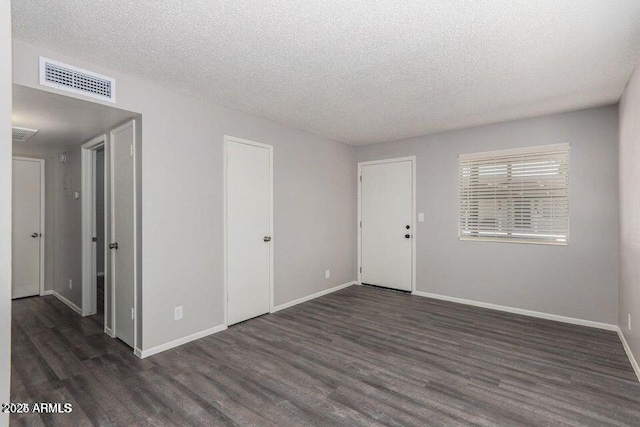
(519, 195)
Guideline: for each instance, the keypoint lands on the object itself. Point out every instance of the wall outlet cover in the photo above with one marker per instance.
(178, 313)
(70, 284)
(327, 274)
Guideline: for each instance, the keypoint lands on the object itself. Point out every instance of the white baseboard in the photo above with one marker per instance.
(180, 341)
(109, 332)
(172, 344)
(67, 302)
(538, 314)
(312, 296)
(49, 292)
(627, 349)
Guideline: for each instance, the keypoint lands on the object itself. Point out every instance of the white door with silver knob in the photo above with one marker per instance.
(249, 243)
(122, 245)
(27, 227)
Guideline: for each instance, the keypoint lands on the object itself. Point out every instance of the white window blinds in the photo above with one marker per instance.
(519, 195)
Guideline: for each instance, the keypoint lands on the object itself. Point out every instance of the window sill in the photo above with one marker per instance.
(523, 242)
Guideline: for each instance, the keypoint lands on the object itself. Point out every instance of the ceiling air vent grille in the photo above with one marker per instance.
(76, 80)
(22, 134)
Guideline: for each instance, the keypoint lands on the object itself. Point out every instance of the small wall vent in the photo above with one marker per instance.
(22, 134)
(76, 80)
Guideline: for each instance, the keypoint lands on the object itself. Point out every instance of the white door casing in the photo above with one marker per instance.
(28, 227)
(248, 229)
(123, 274)
(386, 209)
(89, 247)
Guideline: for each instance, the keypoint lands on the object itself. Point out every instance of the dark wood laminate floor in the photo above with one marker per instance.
(360, 356)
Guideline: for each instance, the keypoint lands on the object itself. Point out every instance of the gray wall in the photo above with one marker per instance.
(182, 201)
(579, 280)
(5, 204)
(630, 212)
(67, 226)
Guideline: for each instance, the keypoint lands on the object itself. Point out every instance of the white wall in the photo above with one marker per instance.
(182, 188)
(629, 186)
(5, 204)
(579, 280)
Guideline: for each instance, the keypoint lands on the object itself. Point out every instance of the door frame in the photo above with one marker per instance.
(42, 214)
(89, 253)
(227, 140)
(414, 236)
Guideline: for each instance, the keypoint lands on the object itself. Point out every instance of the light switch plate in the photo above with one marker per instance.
(420, 217)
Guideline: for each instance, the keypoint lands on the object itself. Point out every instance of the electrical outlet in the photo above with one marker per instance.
(327, 274)
(629, 321)
(177, 313)
(70, 284)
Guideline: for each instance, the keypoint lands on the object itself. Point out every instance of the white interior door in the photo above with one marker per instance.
(248, 230)
(386, 209)
(27, 227)
(122, 243)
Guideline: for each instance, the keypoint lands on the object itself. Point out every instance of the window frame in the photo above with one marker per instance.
(532, 150)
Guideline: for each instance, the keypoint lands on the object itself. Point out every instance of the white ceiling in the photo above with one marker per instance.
(62, 122)
(358, 71)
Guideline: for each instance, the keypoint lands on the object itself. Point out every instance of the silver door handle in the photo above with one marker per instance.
(267, 238)
(35, 235)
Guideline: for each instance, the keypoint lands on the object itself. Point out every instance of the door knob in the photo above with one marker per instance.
(407, 236)
(34, 235)
(113, 245)
(408, 227)
(267, 238)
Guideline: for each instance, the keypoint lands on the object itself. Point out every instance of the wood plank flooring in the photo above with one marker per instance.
(360, 356)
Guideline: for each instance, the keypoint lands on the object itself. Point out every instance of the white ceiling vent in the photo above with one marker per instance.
(22, 134)
(76, 80)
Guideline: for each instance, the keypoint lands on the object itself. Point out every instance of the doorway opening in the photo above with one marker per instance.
(84, 157)
(94, 229)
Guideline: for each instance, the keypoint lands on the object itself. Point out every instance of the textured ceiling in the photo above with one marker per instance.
(358, 71)
(62, 121)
